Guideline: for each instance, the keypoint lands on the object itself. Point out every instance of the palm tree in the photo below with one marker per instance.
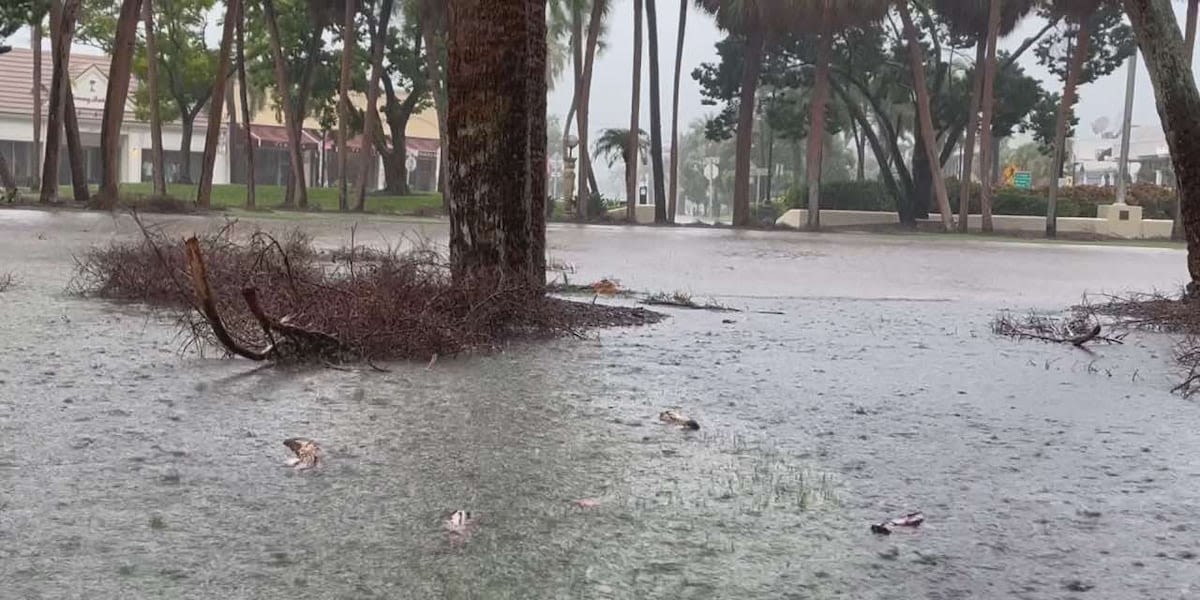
(62, 27)
(1079, 12)
(674, 193)
(156, 144)
(114, 100)
(985, 21)
(1178, 102)
(212, 130)
(496, 83)
(631, 184)
(599, 11)
(751, 22)
(924, 114)
(35, 36)
(616, 143)
(656, 149)
(1189, 44)
(348, 47)
(244, 97)
(290, 118)
(830, 17)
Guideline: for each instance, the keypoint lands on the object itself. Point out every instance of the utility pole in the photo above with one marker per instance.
(1126, 128)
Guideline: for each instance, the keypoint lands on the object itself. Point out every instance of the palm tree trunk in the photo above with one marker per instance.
(437, 84)
(159, 175)
(79, 180)
(497, 134)
(62, 28)
(586, 185)
(633, 148)
(1178, 103)
(924, 115)
(244, 97)
(672, 200)
(7, 180)
(114, 101)
(656, 149)
(964, 184)
(348, 45)
(36, 42)
(816, 126)
(371, 115)
(745, 128)
(212, 130)
(1083, 40)
(289, 114)
(986, 152)
(1189, 45)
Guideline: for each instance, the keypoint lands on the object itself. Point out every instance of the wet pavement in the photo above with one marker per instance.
(129, 470)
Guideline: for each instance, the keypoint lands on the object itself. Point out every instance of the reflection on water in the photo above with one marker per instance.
(128, 470)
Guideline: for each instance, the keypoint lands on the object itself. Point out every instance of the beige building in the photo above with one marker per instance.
(89, 83)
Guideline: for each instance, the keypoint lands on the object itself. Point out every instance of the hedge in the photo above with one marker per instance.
(1076, 201)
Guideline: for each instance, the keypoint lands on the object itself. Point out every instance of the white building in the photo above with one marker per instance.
(1096, 159)
(89, 83)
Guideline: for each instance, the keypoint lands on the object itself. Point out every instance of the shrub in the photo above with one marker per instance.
(845, 195)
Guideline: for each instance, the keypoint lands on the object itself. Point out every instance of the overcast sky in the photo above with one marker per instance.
(611, 86)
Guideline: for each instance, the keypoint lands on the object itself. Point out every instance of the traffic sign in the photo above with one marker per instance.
(1023, 180)
(711, 171)
(410, 163)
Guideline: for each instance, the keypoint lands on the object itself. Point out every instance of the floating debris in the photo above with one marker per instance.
(910, 520)
(308, 453)
(586, 503)
(677, 418)
(461, 524)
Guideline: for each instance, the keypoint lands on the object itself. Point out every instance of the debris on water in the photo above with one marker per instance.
(308, 453)
(1076, 585)
(586, 503)
(677, 418)
(913, 519)
(728, 321)
(461, 524)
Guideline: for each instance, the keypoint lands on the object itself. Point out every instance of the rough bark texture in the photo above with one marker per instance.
(159, 177)
(656, 148)
(1083, 41)
(745, 127)
(114, 101)
(1178, 103)
(673, 196)
(1189, 44)
(289, 114)
(212, 131)
(816, 128)
(371, 116)
(986, 171)
(584, 95)
(632, 150)
(79, 182)
(924, 115)
(348, 44)
(244, 98)
(62, 27)
(36, 41)
(964, 184)
(6, 179)
(496, 80)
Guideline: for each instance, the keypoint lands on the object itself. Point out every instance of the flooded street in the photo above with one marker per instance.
(130, 470)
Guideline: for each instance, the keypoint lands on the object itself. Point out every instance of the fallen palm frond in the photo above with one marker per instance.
(1077, 330)
(6, 281)
(680, 299)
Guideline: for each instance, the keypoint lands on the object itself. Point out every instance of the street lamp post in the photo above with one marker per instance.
(569, 174)
(1126, 129)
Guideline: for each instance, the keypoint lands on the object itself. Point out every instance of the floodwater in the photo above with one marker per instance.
(129, 470)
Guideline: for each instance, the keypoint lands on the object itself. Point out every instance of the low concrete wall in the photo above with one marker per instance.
(643, 214)
(1109, 224)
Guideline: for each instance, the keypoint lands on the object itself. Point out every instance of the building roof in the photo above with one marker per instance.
(16, 81)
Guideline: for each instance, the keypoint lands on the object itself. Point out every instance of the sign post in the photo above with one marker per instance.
(1023, 180)
(710, 172)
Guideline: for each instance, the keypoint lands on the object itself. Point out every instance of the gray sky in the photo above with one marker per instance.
(612, 86)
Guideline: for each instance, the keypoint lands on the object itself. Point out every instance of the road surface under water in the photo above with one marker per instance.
(129, 470)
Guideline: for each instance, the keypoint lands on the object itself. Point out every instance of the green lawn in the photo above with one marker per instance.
(271, 196)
